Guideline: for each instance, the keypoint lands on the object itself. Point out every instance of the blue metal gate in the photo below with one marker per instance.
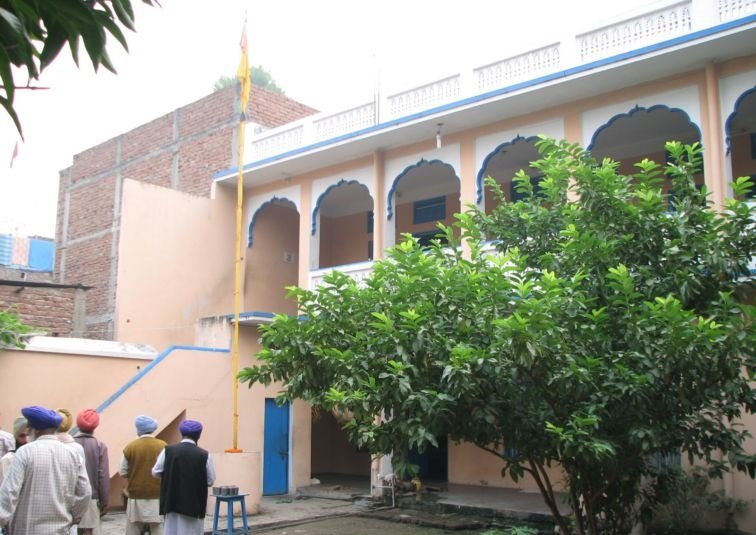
(276, 449)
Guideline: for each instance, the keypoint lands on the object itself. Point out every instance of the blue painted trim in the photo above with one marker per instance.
(147, 369)
(481, 173)
(323, 195)
(494, 93)
(252, 314)
(392, 190)
(274, 200)
(638, 109)
(728, 122)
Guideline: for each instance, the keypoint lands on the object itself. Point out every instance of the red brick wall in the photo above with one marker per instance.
(91, 207)
(93, 161)
(89, 262)
(46, 309)
(181, 150)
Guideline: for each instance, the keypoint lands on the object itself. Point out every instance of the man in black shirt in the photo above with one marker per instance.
(186, 471)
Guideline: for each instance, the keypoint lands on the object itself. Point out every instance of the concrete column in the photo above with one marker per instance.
(305, 210)
(467, 187)
(573, 126)
(573, 132)
(712, 138)
(315, 244)
(379, 206)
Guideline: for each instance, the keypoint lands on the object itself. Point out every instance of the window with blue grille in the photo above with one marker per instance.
(515, 195)
(429, 210)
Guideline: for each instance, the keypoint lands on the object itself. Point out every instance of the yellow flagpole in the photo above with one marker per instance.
(244, 78)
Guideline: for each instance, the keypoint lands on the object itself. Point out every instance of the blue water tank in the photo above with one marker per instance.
(6, 249)
(41, 253)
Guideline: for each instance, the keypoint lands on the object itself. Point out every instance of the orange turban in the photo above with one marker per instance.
(87, 420)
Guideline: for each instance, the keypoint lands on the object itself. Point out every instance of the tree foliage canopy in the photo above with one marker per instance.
(259, 76)
(33, 32)
(603, 330)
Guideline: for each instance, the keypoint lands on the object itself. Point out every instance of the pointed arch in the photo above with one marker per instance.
(641, 109)
(321, 198)
(423, 162)
(274, 200)
(481, 173)
(731, 117)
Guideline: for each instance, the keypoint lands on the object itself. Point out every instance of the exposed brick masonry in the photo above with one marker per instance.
(47, 309)
(179, 150)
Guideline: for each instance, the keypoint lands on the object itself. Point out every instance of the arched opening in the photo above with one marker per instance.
(740, 129)
(342, 223)
(421, 197)
(641, 133)
(272, 262)
(502, 164)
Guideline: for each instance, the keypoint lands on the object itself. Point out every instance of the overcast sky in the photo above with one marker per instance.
(323, 53)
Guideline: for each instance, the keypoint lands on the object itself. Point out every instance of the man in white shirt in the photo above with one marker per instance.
(46, 489)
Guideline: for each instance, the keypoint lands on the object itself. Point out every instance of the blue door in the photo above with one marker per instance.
(276, 449)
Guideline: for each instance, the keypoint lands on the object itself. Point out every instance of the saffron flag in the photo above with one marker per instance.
(242, 74)
(15, 153)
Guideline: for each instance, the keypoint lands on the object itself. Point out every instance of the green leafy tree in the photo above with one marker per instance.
(33, 32)
(259, 76)
(604, 330)
(11, 329)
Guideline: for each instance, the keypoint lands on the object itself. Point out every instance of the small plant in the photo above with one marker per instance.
(690, 502)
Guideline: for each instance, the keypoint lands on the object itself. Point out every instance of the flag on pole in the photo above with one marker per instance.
(15, 153)
(242, 74)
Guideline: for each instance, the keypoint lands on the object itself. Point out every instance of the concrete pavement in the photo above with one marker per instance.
(274, 511)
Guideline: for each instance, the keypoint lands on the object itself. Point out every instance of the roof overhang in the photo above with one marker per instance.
(675, 56)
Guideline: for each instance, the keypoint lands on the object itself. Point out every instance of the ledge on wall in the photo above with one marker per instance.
(84, 346)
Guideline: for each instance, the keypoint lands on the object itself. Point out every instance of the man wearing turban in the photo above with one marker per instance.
(139, 456)
(46, 489)
(98, 470)
(186, 471)
(20, 436)
(65, 437)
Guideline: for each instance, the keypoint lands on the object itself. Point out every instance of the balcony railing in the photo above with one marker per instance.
(672, 19)
(636, 32)
(358, 271)
(361, 270)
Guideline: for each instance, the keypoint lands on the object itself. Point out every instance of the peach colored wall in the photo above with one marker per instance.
(191, 384)
(69, 381)
(58, 380)
(197, 385)
(742, 162)
(404, 217)
(332, 453)
(267, 273)
(470, 465)
(344, 240)
(299, 458)
(176, 263)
